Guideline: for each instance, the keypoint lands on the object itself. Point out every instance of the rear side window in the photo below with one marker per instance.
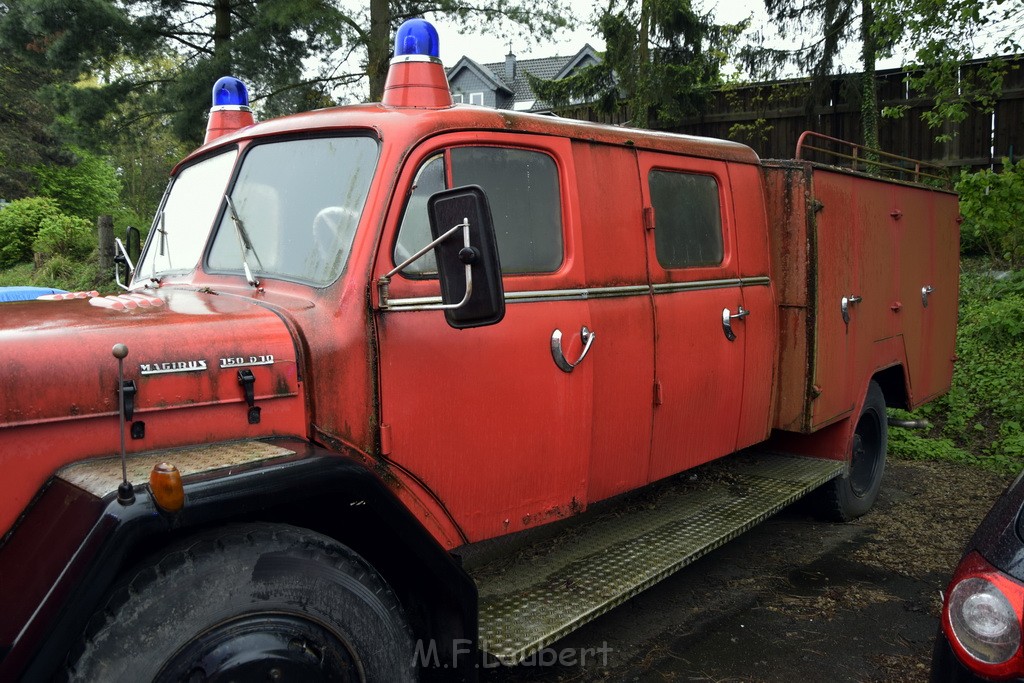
(688, 219)
(523, 191)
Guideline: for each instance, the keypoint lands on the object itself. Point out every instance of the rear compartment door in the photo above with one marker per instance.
(929, 249)
(484, 417)
(691, 252)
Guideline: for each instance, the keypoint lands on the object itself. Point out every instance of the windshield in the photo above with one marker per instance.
(293, 210)
(183, 224)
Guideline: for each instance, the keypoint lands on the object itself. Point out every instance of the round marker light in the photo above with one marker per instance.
(230, 92)
(166, 487)
(417, 37)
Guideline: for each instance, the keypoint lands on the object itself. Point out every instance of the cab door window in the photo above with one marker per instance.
(688, 219)
(523, 191)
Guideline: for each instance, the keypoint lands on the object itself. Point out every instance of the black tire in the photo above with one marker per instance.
(849, 496)
(245, 603)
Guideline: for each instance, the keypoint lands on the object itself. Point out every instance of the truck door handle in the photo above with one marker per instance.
(556, 348)
(728, 317)
(845, 306)
(925, 291)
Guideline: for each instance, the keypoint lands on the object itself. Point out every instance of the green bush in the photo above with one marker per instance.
(992, 205)
(67, 236)
(20, 221)
(87, 189)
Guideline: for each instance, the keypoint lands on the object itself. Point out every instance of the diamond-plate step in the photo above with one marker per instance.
(545, 591)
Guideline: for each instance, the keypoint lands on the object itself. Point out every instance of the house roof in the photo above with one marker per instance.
(547, 68)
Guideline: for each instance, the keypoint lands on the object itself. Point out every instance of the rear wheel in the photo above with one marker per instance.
(853, 494)
(250, 603)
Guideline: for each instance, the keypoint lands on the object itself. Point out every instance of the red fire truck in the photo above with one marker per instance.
(400, 389)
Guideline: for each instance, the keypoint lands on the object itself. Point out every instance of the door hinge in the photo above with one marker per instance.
(385, 439)
(649, 218)
(658, 397)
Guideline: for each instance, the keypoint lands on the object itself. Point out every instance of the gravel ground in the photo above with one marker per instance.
(795, 598)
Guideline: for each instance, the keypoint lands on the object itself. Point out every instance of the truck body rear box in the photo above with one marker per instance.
(879, 244)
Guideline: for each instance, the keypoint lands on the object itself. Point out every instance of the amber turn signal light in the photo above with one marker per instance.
(165, 485)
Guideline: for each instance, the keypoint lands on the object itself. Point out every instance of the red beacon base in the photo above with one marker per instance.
(416, 77)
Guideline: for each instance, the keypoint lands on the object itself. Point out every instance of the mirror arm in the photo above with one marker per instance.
(121, 254)
(385, 280)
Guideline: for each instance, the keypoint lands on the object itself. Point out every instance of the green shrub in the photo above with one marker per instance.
(20, 221)
(74, 275)
(68, 236)
(87, 189)
(992, 205)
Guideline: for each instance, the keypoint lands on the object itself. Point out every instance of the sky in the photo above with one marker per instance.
(486, 48)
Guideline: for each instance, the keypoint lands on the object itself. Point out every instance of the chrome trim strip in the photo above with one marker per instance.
(428, 303)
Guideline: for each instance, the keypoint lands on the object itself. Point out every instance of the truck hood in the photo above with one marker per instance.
(190, 355)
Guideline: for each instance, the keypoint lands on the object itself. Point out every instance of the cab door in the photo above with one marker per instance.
(486, 418)
(700, 331)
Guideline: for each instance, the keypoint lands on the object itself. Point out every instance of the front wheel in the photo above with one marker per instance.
(250, 603)
(854, 492)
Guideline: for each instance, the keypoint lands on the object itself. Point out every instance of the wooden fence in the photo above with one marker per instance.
(770, 117)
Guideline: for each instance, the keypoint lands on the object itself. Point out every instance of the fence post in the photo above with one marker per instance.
(105, 230)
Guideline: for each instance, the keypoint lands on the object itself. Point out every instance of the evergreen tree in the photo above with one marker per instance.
(662, 59)
(823, 27)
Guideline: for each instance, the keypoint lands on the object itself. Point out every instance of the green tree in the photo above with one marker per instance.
(87, 188)
(265, 42)
(944, 34)
(663, 57)
(25, 137)
(821, 28)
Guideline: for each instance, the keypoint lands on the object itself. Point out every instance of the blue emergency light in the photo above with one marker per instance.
(416, 37)
(230, 92)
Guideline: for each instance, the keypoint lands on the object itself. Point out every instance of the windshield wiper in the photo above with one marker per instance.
(244, 243)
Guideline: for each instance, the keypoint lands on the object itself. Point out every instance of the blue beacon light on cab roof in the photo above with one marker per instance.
(416, 37)
(230, 92)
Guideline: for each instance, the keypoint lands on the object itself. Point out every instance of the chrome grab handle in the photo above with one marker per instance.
(728, 317)
(845, 306)
(925, 291)
(556, 348)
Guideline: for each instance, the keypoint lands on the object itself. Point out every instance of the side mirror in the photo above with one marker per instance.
(467, 262)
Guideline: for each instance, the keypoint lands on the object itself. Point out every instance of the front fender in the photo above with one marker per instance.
(71, 544)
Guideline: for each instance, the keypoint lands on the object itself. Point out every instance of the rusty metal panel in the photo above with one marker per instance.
(836, 226)
(58, 403)
(698, 368)
(615, 256)
(928, 239)
(792, 248)
(484, 418)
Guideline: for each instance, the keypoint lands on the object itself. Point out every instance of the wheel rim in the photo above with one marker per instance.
(266, 648)
(867, 442)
